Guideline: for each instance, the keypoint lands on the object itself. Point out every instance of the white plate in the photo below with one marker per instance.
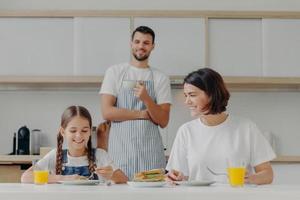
(195, 183)
(146, 184)
(80, 182)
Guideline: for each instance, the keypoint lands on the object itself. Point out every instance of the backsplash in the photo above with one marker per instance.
(272, 111)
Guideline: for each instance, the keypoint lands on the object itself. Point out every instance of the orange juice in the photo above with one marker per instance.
(41, 177)
(236, 176)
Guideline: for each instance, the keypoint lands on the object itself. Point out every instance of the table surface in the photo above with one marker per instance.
(123, 191)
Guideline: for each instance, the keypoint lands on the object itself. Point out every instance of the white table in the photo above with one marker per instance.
(15, 191)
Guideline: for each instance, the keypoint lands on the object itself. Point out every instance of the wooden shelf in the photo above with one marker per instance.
(151, 13)
(50, 82)
(287, 159)
(51, 79)
(233, 83)
(17, 159)
(263, 83)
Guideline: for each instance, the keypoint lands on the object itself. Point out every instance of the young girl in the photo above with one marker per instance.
(79, 159)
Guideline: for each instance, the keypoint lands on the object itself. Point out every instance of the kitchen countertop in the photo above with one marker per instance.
(18, 159)
(17, 191)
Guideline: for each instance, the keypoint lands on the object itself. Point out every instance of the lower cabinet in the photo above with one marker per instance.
(10, 173)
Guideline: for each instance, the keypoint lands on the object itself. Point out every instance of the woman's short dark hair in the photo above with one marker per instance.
(212, 83)
(144, 30)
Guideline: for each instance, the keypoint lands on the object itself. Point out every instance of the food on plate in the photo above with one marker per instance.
(82, 178)
(152, 175)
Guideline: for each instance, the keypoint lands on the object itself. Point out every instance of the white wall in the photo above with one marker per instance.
(42, 110)
(153, 4)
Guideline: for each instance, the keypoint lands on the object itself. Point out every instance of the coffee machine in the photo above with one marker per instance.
(23, 141)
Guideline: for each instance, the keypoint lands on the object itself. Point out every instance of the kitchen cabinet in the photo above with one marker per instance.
(10, 173)
(281, 40)
(235, 46)
(177, 50)
(36, 46)
(11, 167)
(94, 48)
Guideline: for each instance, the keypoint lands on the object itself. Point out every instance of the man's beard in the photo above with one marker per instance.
(145, 57)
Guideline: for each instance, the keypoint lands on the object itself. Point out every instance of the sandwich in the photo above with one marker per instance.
(153, 175)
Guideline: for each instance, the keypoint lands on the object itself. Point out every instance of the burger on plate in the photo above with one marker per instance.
(153, 175)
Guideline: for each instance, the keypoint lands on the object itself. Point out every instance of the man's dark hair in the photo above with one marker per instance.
(211, 82)
(144, 30)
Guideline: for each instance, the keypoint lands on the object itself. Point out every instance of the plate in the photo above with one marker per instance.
(80, 182)
(195, 183)
(146, 184)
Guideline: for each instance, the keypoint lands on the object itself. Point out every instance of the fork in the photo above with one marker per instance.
(106, 182)
(91, 177)
(215, 173)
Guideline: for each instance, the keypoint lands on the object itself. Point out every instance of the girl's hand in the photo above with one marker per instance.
(249, 178)
(174, 175)
(105, 172)
(69, 177)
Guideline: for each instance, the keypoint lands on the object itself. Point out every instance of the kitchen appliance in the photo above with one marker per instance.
(23, 138)
(35, 141)
(14, 145)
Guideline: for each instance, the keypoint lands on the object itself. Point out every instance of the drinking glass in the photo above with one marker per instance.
(40, 174)
(236, 172)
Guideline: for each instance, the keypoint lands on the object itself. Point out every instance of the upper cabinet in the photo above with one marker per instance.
(235, 46)
(179, 43)
(36, 46)
(281, 47)
(260, 46)
(100, 43)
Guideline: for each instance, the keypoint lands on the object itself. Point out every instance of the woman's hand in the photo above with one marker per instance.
(175, 175)
(263, 174)
(105, 172)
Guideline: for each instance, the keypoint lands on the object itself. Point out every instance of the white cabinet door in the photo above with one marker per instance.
(36, 46)
(281, 47)
(180, 45)
(100, 43)
(235, 46)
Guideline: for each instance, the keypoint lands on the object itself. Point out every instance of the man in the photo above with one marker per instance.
(137, 99)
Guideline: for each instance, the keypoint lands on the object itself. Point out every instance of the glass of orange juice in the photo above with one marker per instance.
(236, 173)
(40, 174)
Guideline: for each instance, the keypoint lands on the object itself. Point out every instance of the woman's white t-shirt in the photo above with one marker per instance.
(102, 159)
(198, 146)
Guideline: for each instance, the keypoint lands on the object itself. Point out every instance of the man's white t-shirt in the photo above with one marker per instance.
(114, 75)
(198, 146)
(102, 159)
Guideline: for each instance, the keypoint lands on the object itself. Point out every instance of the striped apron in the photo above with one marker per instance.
(135, 145)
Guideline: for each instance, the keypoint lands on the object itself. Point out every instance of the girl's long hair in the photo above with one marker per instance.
(66, 117)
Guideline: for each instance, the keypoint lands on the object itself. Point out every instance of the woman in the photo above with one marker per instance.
(214, 137)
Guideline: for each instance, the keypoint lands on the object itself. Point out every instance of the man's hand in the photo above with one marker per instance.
(140, 91)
